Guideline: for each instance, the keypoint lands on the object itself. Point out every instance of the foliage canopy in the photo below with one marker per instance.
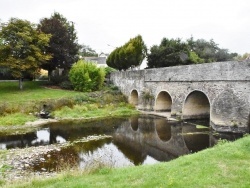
(129, 55)
(87, 51)
(63, 44)
(173, 52)
(22, 47)
(86, 76)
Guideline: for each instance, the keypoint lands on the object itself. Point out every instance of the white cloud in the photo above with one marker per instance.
(113, 22)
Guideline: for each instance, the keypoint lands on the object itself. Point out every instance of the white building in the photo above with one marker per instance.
(100, 61)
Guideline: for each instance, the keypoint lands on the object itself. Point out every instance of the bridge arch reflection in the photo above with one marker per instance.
(134, 123)
(163, 130)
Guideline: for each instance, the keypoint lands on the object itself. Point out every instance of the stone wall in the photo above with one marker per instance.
(225, 84)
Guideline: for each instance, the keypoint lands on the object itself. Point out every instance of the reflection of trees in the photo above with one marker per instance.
(133, 151)
(71, 130)
(91, 146)
(17, 141)
(146, 125)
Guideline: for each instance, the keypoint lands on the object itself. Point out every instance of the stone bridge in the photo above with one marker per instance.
(219, 91)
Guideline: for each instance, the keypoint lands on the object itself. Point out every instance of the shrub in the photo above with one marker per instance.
(58, 79)
(66, 85)
(86, 76)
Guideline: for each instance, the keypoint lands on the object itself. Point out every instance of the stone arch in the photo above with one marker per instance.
(196, 106)
(134, 97)
(163, 101)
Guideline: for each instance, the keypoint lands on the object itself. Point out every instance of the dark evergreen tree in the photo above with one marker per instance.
(63, 44)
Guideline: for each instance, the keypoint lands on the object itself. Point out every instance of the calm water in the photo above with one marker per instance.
(135, 140)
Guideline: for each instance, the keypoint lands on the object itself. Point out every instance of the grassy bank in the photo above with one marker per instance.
(19, 106)
(32, 91)
(225, 165)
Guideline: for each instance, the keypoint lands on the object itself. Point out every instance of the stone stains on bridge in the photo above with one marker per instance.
(220, 91)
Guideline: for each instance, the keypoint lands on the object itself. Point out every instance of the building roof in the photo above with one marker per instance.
(98, 60)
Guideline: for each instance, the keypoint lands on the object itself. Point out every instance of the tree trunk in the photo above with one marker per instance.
(20, 83)
(49, 74)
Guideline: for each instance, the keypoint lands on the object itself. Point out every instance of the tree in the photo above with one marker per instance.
(245, 56)
(86, 51)
(209, 51)
(22, 48)
(129, 55)
(173, 52)
(170, 52)
(86, 76)
(63, 43)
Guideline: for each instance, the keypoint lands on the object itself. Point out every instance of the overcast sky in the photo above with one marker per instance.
(105, 24)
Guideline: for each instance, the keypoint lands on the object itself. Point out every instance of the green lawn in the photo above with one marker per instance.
(19, 106)
(225, 165)
(32, 91)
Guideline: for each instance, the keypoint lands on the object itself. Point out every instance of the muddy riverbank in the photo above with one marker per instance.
(18, 163)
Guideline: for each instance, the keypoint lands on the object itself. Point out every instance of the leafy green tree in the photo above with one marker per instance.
(173, 52)
(86, 76)
(63, 44)
(22, 48)
(195, 58)
(209, 51)
(170, 52)
(129, 55)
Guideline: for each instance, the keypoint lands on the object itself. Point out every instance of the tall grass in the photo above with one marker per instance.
(16, 119)
(94, 110)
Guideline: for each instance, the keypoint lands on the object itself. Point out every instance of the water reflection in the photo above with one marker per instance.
(38, 138)
(42, 137)
(108, 155)
(136, 140)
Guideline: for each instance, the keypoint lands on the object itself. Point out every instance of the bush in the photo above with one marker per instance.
(66, 85)
(86, 76)
(58, 79)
